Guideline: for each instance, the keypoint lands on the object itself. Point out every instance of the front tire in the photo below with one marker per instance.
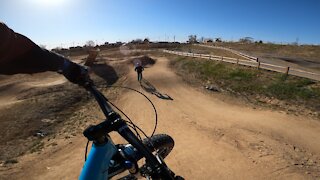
(159, 143)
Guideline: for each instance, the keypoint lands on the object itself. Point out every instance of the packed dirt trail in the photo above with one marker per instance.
(218, 140)
(214, 137)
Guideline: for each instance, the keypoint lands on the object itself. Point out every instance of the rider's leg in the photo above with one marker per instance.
(138, 76)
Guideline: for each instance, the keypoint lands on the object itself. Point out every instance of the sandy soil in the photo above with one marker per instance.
(215, 137)
(25, 82)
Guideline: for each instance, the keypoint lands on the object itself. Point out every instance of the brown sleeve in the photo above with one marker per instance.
(13, 45)
(18, 54)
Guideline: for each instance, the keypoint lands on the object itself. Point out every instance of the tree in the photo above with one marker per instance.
(137, 41)
(246, 40)
(192, 39)
(146, 41)
(90, 43)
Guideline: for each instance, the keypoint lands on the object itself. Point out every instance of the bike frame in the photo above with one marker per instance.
(97, 164)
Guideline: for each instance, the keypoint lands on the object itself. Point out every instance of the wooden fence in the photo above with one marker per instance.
(259, 65)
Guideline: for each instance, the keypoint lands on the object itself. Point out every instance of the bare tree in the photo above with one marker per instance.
(137, 41)
(90, 43)
(192, 39)
(246, 40)
(146, 41)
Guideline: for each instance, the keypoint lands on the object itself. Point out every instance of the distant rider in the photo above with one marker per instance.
(139, 68)
(18, 54)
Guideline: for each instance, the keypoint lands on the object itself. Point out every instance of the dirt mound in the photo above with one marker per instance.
(145, 61)
(41, 104)
(36, 106)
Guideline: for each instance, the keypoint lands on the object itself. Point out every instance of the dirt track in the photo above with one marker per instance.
(215, 138)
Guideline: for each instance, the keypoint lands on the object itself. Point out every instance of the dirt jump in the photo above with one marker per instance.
(215, 137)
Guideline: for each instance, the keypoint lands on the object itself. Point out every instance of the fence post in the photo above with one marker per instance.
(209, 57)
(287, 70)
(221, 58)
(258, 65)
(193, 55)
(200, 55)
(237, 61)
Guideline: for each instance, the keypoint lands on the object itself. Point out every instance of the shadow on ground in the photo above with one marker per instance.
(148, 87)
(106, 72)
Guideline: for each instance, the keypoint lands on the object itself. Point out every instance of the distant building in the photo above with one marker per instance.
(207, 40)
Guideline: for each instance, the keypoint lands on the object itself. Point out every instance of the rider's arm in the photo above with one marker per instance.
(18, 54)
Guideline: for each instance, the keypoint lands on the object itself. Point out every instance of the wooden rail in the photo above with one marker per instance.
(259, 65)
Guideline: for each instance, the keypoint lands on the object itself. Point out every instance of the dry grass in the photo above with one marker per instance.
(258, 86)
(305, 52)
(207, 50)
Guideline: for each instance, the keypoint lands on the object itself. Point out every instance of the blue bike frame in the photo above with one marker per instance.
(97, 165)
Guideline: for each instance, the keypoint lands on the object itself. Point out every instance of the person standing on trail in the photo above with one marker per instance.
(18, 54)
(139, 68)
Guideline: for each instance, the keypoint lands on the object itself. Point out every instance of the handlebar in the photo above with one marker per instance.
(114, 122)
(102, 100)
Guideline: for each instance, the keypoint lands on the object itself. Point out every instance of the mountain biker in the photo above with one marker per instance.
(139, 68)
(18, 54)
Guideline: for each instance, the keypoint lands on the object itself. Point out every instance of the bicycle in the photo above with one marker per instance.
(106, 159)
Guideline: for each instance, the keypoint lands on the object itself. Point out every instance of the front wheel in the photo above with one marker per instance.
(160, 144)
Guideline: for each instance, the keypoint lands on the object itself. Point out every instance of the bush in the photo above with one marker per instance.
(241, 75)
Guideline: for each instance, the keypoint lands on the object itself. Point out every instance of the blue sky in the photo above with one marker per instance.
(73, 22)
